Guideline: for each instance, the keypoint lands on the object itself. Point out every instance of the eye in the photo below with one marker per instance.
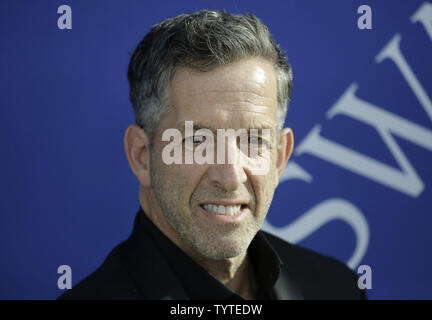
(255, 140)
(195, 139)
(258, 143)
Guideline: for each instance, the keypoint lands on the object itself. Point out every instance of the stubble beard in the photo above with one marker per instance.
(217, 242)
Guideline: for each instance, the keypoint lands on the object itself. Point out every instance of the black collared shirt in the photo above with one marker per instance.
(200, 284)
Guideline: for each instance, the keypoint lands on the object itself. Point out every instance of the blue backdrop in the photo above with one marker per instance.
(359, 184)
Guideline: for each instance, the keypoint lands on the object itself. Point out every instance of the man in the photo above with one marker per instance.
(197, 233)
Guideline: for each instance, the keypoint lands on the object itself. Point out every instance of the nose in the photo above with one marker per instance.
(229, 174)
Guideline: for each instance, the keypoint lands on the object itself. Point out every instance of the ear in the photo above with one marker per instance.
(285, 148)
(137, 147)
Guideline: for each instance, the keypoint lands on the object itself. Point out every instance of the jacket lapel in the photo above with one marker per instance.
(285, 288)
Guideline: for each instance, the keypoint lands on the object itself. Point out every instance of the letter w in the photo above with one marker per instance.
(256, 309)
(406, 180)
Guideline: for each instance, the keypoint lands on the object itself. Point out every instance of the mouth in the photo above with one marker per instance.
(225, 212)
(229, 210)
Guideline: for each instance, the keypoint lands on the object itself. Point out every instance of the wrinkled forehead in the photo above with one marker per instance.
(248, 84)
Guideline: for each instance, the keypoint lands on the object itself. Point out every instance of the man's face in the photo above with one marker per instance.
(239, 95)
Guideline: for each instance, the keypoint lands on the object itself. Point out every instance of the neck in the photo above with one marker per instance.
(236, 273)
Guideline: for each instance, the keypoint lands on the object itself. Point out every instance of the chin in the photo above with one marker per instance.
(224, 249)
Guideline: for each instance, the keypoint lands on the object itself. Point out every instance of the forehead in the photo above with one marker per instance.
(243, 92)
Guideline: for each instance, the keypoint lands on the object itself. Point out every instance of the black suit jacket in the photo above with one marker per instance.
(136, 269)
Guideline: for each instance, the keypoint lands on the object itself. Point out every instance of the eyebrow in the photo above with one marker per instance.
(197, 126)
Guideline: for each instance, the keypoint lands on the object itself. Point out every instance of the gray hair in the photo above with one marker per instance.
(201, 40)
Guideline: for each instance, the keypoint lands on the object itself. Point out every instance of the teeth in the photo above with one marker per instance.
(224, 210)
(229, 210)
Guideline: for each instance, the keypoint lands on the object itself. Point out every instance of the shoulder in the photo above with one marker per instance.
(317, 275)
(110, 281)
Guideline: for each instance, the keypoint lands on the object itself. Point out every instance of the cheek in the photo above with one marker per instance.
(264, 190)
(185, 178)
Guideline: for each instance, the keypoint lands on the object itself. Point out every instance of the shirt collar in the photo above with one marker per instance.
(199, 283)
